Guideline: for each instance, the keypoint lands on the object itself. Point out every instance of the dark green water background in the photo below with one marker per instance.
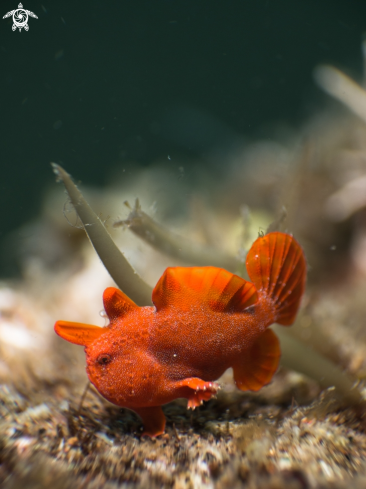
(95, 84)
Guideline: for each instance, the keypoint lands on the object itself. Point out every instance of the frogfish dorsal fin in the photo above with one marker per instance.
(276, 265)
(116, 303)
(258, 367)
(215, 288)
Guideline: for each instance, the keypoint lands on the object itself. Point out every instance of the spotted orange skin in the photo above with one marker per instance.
(151, 352)
(204, 321)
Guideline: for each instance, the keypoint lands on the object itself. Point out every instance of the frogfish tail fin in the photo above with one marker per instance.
(276, 265)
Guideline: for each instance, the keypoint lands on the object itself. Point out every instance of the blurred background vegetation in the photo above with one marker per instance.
(99, 86)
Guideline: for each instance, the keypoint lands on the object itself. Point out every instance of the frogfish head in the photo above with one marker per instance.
(117, 363)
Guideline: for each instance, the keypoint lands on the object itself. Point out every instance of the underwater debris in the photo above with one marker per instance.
(112, 258)
(306, 360)
(276, 224)
(162, 239)
(343, 88)
(346, 201)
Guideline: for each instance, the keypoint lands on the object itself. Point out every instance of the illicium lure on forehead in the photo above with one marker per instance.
(203, 320)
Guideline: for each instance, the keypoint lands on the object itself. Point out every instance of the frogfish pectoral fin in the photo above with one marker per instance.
(261, 363)
(197, 390)
(153, 420)
(78, 333)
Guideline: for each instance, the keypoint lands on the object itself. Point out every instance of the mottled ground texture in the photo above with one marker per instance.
(237, 440)
(290, 435)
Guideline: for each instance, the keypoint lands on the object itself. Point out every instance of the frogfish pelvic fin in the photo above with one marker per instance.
(205, 320)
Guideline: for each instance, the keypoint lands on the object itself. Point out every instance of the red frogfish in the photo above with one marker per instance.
(204, 321)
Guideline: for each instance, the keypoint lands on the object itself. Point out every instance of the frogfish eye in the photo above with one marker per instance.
(104, 359)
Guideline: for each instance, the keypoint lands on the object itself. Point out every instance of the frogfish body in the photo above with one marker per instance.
(204, 320)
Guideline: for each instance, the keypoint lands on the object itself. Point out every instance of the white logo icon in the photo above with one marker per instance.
(20, 18)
